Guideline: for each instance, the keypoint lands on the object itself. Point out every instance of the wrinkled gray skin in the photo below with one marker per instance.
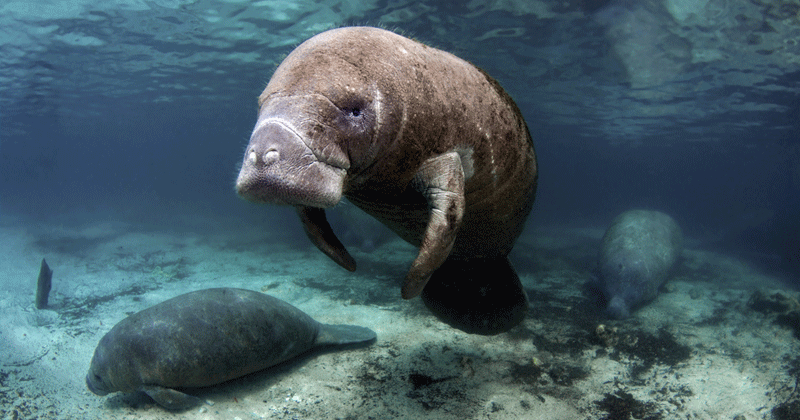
(418, 138)
(204, 338)
(637, 254)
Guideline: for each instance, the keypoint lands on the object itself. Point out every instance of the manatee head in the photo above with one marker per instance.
(320, 118)
(624, 281)
(115, 367)
(97, 379)
(621, 269)
(285, 162)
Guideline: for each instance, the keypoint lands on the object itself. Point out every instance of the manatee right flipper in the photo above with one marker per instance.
(337, 335)
(440, 180)
(171, 399)
(477, 296)
(320, 233)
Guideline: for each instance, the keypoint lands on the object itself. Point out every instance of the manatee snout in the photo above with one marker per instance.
(618, 308)
(623, 279)
(624, 299)
(95, 383)
(91, 380)
(95, 378)
(279, 167)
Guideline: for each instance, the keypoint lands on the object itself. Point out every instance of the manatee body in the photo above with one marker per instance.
(637, 254)
(204, 338)
(420, 139)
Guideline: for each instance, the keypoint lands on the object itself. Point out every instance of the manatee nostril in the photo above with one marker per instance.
(267, 158)
(270, 157)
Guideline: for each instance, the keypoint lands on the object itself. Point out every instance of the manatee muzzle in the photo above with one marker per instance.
(96, 386)
(280, 168)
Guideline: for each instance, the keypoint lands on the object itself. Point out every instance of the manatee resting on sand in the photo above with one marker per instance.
(637, 254)
(423, 141)
(204, 338)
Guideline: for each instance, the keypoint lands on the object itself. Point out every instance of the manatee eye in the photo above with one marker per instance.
(97, 379)
(355, 117)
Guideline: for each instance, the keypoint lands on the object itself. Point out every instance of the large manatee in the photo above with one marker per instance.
(637, 254)
(420, 139)
(204, 338)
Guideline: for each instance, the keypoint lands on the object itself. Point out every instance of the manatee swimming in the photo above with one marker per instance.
(425, 142)
(204, 338)
(637, 254)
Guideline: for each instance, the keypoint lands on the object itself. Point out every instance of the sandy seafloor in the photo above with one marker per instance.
(704, 349)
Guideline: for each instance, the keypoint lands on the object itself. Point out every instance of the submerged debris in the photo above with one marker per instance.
(607, 335)
(789, 410)
(622, 406)
(651, 349)
(420, 380)
(774, 303)
(785, 308)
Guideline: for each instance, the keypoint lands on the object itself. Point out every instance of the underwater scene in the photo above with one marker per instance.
(331, 209)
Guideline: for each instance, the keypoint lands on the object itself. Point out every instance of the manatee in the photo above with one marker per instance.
(204, 338)
(425, 142)
(637, 254)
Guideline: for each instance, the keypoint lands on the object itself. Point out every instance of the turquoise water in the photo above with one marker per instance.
(123, 124)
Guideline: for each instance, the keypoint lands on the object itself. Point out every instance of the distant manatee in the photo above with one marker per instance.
(637, 254)
(204, 338)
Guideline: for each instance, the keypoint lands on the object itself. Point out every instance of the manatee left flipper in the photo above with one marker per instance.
(170, 398)
(441, 180)
(320, 233)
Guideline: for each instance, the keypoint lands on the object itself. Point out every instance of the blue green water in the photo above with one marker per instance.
(137, 113)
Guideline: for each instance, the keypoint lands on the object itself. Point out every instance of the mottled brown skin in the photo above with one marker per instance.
(416, 137)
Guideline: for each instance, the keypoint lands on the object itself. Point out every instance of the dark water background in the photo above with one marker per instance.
(149, 125)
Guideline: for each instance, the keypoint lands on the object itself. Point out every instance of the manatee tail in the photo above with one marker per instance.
(478, 296)
(340, 335)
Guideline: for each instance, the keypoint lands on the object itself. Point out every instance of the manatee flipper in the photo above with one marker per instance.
(335, 335)
(441, 180)
(170, 398)
(477, 296)
(320, 233)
